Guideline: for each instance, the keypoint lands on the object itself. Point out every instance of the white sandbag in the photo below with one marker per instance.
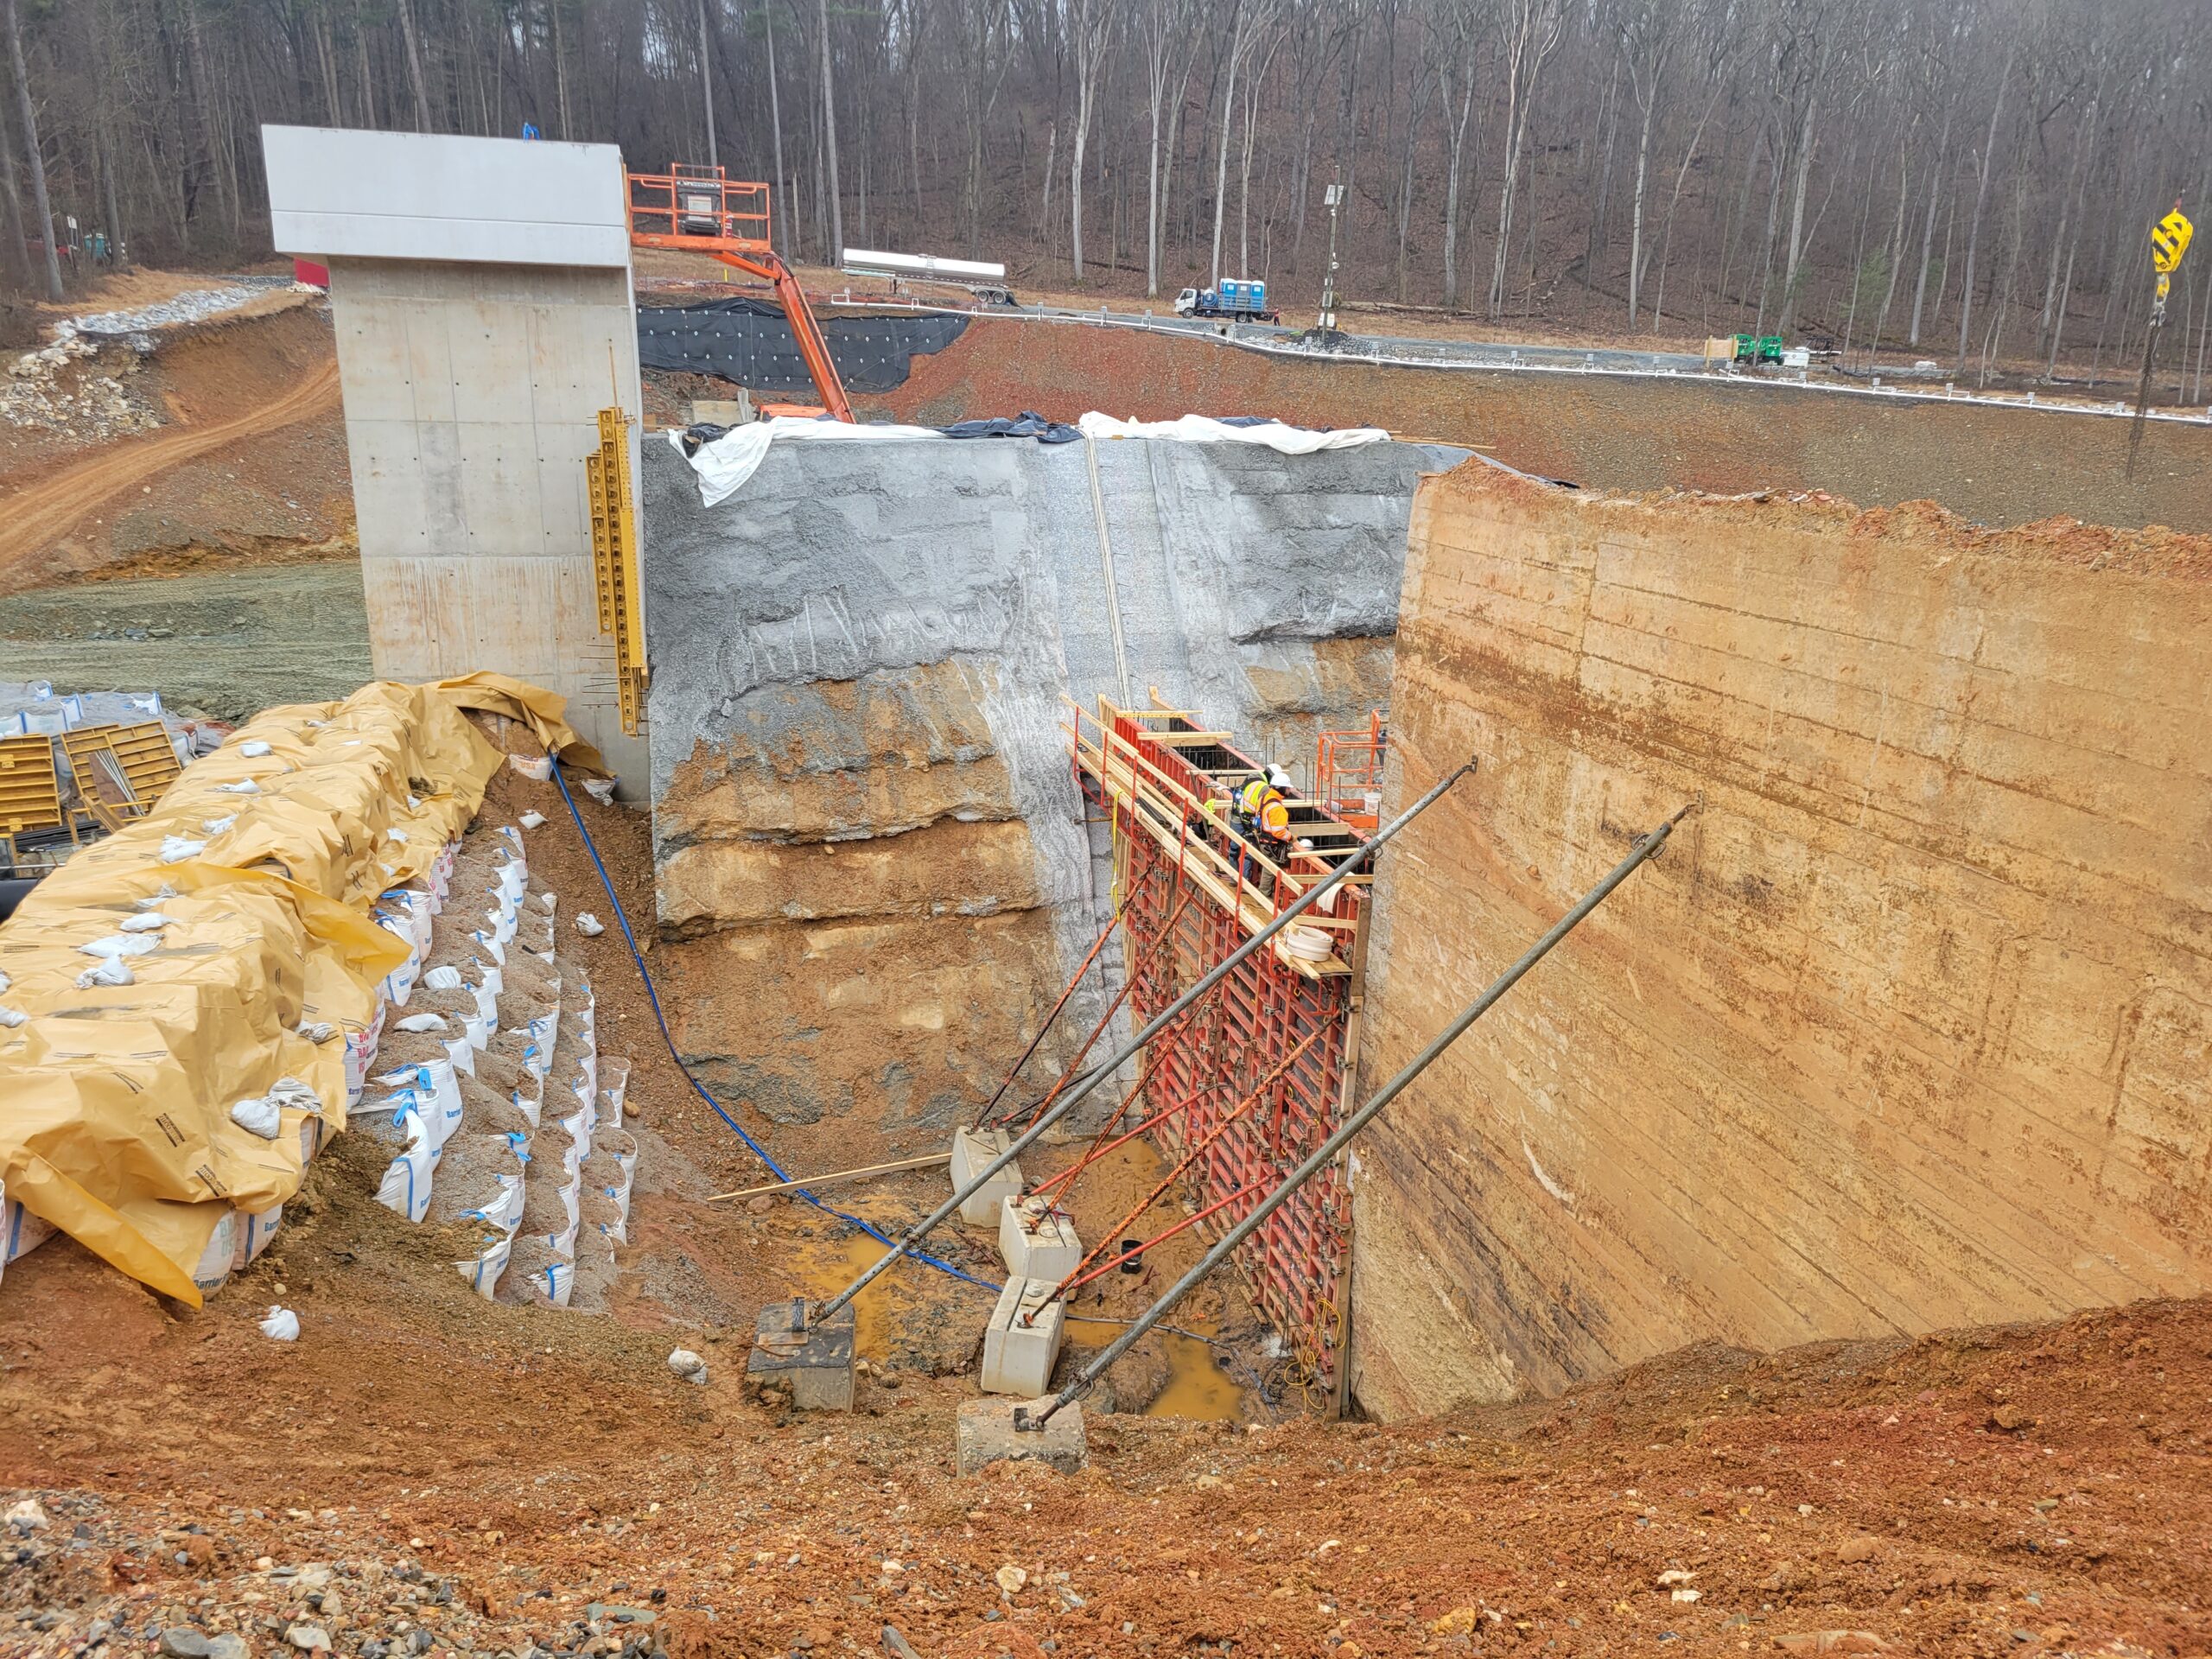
(360, 1055)
(554, 1281)
(503, 1212)
(485, 1272)
(444, 977)
(112, 946)
(254, 1233)
(147, 921)
(430, 1090)
(614, 1086)
(422, 1022)
(110, 970)
(538, 768)
(533, 820)
(405, 1187)
(213, 1270)
(21, 1232)
(258, 1116)
(589, 926)
(281, 1325)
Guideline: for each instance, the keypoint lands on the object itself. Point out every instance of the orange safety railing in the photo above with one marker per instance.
(1173, 781)
(698, 208)
(1347, 773)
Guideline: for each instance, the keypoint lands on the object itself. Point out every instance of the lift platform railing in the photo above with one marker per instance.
(698, 208)
(1347, 773)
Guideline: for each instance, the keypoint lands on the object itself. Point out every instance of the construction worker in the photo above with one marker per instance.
(1262, 815)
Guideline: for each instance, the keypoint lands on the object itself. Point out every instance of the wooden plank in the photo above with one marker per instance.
(838, 1177)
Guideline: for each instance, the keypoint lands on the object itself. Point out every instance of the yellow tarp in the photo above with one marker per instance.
(115, 1101)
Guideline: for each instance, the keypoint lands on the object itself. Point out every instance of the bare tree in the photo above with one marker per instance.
(1529, 33)
(1164, 26)
(1650, 32)
(40, 205)
(1091, 22)
(1455, 29)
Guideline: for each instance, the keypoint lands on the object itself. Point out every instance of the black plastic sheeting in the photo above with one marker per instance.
(1030, 425)
(748, 343)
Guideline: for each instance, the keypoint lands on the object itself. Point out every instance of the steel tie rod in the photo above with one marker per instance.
(1645, 847)
(1159, 1022)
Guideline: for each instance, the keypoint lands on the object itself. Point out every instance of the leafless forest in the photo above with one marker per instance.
(1968, 180)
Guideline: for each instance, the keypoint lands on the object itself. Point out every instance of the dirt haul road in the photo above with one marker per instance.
(48, 510)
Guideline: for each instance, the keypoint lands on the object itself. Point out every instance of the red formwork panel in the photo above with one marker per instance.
(1225, 1045)
(1177, 927)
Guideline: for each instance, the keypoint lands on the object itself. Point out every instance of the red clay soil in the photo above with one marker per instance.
(425, 1471)
(249, 464)
(1998, 466)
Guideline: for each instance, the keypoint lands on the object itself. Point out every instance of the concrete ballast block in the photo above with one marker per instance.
(973, 1151)
(1037, 1245)
(1018, 1359)
(811, 1357)
(985, 1433)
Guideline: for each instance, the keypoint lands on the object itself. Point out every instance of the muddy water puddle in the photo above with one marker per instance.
(831, 1264)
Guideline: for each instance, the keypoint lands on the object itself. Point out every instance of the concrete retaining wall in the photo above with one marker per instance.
(873, 869)
(1908, 1028)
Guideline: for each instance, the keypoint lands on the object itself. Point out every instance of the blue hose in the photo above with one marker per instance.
(661, 1020)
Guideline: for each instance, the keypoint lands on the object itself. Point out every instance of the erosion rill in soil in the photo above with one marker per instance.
(1906, 1030)
(871, 860)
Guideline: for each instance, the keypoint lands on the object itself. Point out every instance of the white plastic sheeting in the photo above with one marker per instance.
(725, 464)
(1199, 429)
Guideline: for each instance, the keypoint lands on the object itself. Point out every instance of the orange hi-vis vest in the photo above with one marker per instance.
(1262, 804)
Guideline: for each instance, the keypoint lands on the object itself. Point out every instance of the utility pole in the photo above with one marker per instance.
(830, 134)
(707, 85)
(1331, 198)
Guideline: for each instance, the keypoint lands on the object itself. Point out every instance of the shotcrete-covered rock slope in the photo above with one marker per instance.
(865, 821)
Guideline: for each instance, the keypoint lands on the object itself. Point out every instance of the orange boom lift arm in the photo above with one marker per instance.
(698, 210)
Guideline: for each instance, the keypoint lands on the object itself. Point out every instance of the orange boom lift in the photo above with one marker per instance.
(697, 209)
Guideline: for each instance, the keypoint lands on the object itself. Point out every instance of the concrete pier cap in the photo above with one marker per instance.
(1022, 1342)
(806, 1354)
(973, 1151)
(1037, 1240)
(988, 1433)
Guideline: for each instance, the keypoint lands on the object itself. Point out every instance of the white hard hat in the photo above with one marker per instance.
(1277, 776)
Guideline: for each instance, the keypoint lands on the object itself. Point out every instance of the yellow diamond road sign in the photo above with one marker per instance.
(2169, 241)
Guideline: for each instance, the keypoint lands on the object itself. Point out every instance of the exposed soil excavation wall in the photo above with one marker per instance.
(1999, 466)
(873, 871)
(1909, 1026)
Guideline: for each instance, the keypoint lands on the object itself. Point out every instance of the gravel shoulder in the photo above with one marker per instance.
(228, 641)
